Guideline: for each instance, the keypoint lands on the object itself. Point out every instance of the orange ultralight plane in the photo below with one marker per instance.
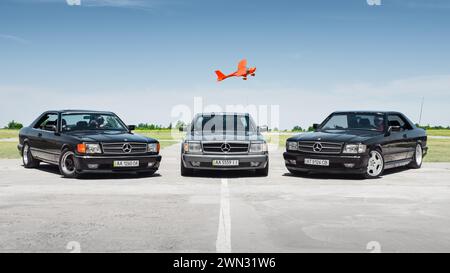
(243, 71)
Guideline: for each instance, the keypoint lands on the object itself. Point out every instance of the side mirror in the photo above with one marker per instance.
(131, 127)
(315, 126)
(50, 128)
(263, 129)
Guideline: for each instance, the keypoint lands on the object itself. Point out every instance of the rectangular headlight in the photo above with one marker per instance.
(258, 147)
(192, 147)
(153, 147)
(93, 148)
(292, 145)
(355, 149)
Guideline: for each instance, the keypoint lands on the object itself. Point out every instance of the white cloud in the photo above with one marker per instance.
(137, 4)
(118, 3)
(13, 38)
(428, 86)
(297, 106)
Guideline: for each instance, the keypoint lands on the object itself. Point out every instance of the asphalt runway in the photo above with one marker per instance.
(405, 210)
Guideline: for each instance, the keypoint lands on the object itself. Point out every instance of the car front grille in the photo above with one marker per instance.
(124, 148)
(327, 147)
(230, 147)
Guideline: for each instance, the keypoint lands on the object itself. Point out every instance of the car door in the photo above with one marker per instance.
(398, 140)
(411, 137)
(42, 144)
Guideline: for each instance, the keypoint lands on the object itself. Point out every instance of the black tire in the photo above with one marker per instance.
(263, 172)
(417, 159)
(185, 171)
(374, 169)
(66, 164)
(27, 158)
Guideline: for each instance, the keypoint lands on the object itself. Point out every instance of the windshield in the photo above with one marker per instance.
(223, 123)
(354, 121)
(91, 121)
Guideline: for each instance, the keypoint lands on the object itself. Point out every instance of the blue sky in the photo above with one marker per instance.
(141, 58)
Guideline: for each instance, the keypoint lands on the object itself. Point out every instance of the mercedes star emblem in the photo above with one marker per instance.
(317, 147)
(225, 147)
(126, 148)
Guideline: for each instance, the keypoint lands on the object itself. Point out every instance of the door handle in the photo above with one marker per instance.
(39, 135)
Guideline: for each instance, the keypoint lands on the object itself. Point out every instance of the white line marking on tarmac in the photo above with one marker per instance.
(223, 243)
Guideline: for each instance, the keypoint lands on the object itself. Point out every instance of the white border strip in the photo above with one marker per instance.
(223, 243)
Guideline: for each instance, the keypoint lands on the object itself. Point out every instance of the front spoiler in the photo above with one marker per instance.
(206, 161)
(105, 163)
(336, 163)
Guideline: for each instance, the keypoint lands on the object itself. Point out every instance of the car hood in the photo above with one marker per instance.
(109, 136)
(347, 136)
(224, 136)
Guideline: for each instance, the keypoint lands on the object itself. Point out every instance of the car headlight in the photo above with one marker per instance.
(192, 147)
(258, 147)
(153, 147)
(292, 145)
(355, 149)
(89, 148)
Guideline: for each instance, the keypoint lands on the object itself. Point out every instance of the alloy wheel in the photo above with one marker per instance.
(25, 155)
(375, 164)
(419, 155)
(68, 163)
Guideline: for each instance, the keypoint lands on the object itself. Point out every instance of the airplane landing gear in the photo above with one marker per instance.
(244, 79)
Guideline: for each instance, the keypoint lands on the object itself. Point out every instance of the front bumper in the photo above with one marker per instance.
(86, 163)
(205, 161)
(357, 163)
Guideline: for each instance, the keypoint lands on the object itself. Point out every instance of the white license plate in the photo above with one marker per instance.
(128, 163)
(225, 162)
(317, 162)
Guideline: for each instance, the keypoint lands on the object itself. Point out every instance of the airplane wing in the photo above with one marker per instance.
(242, 67)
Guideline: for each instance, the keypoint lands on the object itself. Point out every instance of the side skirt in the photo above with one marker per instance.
(398, 163)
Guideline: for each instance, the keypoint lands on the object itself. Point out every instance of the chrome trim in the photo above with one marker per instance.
(136, 147)
(44, 151)
(228, 156)
(116, 156)
(312, 147)
(221, 144)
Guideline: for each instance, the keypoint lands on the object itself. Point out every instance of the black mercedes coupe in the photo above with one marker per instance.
(87, 141)
(362, 142)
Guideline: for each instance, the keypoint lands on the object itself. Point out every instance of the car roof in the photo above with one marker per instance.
(222, 113)
(74, 111)
(367, 112)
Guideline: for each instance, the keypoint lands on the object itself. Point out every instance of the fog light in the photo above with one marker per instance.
(195, 163)
(151, 164)
(349, 165)
(254, 164)
(92, 166)
(291, 161)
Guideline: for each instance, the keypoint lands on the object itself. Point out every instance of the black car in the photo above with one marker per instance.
(224, 141)
(87, 141)
(360, 142)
